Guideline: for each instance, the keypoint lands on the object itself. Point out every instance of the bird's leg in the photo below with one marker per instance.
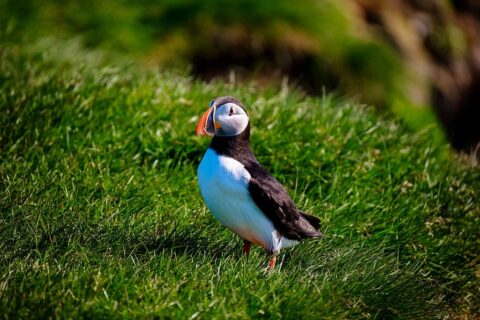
(271, 263)
(246, 247)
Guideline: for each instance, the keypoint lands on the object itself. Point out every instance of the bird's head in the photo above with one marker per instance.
(225, 117)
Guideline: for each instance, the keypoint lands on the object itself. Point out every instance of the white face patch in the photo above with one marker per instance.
(230, 120)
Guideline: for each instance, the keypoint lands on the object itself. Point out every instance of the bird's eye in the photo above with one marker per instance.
(231, 111)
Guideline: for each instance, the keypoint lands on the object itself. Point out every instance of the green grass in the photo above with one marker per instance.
(101, 214)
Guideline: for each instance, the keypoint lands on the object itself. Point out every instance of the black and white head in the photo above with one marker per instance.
(226, 117)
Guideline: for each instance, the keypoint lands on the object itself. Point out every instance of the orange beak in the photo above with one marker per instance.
(203, 124)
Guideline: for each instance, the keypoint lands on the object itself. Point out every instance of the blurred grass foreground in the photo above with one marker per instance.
(100, 213)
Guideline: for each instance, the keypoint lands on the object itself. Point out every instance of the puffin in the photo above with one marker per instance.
(239, 192)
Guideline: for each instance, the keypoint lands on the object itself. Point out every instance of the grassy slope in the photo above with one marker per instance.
(100, 212)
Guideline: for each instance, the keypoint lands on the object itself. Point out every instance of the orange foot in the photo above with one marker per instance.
(271, 263)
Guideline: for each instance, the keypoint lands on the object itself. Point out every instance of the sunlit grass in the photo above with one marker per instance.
(101, 215)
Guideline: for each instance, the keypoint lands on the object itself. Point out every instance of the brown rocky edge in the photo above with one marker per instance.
(440, 40)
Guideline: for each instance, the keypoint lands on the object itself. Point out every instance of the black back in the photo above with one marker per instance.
(269, 194)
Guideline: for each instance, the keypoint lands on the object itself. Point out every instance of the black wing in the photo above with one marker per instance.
(272, 198)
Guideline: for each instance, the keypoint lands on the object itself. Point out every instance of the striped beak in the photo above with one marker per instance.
(206, 125)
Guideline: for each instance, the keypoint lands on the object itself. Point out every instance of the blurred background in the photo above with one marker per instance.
(417, 59)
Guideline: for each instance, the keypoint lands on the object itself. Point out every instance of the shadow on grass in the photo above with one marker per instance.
(185, 240)
(197, 239)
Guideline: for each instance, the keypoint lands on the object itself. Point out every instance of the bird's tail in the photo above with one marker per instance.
(314, 221)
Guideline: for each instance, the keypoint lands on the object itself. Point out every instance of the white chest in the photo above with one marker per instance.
(223, 175)
(223, 184)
